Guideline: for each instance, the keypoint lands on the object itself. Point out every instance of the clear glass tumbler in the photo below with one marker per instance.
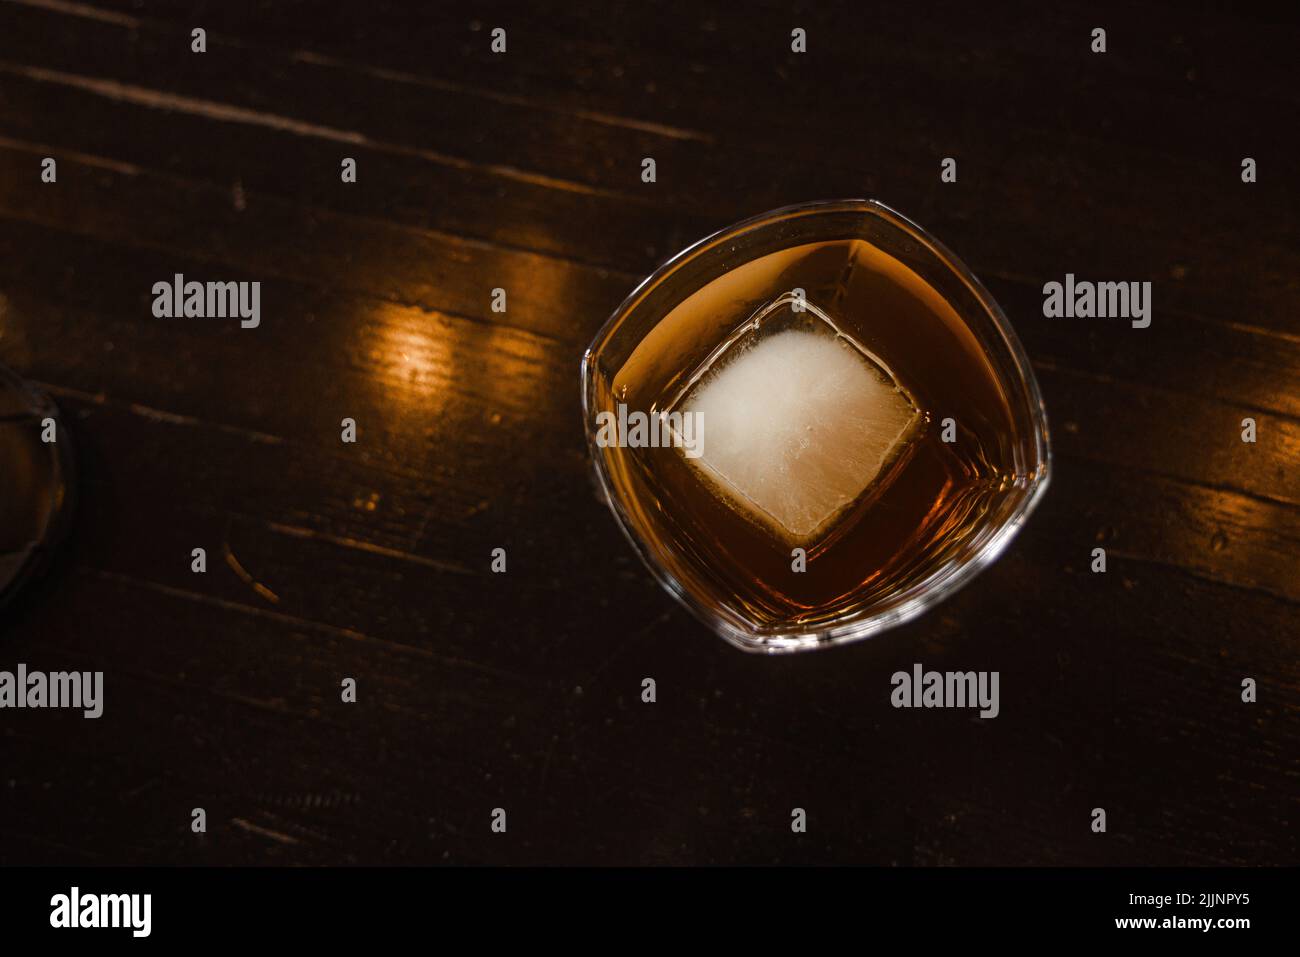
(35, 482)
(814, 425)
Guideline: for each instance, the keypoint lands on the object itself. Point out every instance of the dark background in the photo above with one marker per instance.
(521, 690)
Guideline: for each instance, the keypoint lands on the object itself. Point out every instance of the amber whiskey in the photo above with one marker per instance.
(859, 438)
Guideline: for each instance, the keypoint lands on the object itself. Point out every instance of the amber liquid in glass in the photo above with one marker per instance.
(926, 500)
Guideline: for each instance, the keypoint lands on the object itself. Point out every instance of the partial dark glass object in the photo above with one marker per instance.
(35, 483)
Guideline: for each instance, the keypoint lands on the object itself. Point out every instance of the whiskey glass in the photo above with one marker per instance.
(36, 494)
(871, 431)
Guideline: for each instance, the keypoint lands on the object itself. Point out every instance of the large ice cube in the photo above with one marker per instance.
(796, 426)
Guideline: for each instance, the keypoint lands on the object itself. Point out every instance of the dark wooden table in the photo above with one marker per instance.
(522, 171)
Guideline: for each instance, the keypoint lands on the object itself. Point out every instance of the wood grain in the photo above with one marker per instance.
(522, 691)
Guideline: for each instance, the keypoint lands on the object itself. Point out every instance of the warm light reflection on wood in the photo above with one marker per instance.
(430, 365)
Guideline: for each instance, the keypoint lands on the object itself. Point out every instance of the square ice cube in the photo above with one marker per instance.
(797, 424)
